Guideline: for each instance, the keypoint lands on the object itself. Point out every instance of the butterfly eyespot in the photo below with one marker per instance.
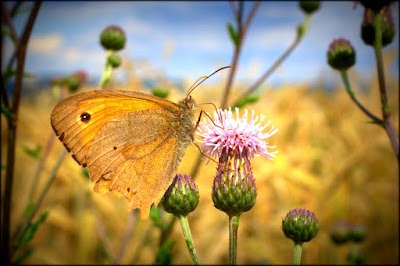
(128, 189)
(85, 117)
(114, 148)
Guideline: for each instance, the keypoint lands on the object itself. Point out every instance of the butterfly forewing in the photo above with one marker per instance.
(131, 142)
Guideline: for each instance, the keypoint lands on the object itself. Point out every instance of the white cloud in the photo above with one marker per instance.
(74, 55)
(271, 38)
(47, 44)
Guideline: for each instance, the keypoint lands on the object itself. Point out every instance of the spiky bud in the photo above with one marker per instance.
(300, 225)
(341, 54)
(74, 81)
(182, 196)
(309, 7)
(340, 232)
(368, 28)
(234, 188)
(114, 60)
(357, 233)
(113, 38)
(356, 256)
(375, 5)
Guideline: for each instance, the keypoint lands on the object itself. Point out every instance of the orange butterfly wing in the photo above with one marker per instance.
(131, 142)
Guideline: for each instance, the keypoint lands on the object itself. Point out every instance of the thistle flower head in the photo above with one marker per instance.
(113, 38)
(182, 196)
(300, 225)
(240, 136)
(235, 141)
(74, 81)
(358, 233)
(340, 232)
(309, 7)
(341, 54)
(234, 189)
(368, 28)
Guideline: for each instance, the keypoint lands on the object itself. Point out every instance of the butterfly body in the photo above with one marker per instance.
(131, 142)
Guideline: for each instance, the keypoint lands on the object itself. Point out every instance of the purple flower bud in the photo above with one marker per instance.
(182, 196)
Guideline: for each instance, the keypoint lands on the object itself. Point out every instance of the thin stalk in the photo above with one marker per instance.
(266, 75)
(25, 225)
(189, 239)
(387, 122)
(347, 86)
(297, 250)
(40, 166)
(168, 229)
(12, 125)
(107, 72)
(126, 235)
(242, 27)
(233, 230)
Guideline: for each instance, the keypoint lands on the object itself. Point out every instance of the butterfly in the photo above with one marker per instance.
(131, 142)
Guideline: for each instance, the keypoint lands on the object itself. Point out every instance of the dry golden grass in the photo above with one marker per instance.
(330, 161)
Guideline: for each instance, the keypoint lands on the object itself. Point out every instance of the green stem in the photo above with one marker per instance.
(106, 75)
(233, 230)
(25, 225)
(298, 248)
(168, 229)
(242, 28)
(347, 85)
(264, 77)
(20, 52)
(387, 122)
(188, 237)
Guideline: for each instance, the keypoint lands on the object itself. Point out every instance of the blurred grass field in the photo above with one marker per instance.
(330, 161)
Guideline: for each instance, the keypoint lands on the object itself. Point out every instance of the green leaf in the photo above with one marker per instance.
(156, 217)
(6, 32)
(9, 73)
(21, 256)
(247, 100)
(30, 232)
(164, 255)
(85, 172)
(160, 92)
(233, 34)
(7, 112)
(29, 209)
(33, 152)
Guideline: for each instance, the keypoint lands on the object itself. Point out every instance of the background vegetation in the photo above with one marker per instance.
(330, 161)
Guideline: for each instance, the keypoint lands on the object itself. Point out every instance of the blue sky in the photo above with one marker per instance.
(189, 39)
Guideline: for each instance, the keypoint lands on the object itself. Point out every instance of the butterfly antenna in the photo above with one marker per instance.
(202, 79)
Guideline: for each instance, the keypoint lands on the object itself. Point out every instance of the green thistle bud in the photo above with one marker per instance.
(357, 233)
(74, 81)
(56, 81)
(341, 55)
(356, 256)
(368, 28)
(300, 225)
(113, 38)
(182, 196)
(309, 7)
(340, 232)
(234, 189)
(375, 5)
(114, 60)
(160, 92)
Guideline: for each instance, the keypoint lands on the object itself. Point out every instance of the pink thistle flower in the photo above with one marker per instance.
(240, 136)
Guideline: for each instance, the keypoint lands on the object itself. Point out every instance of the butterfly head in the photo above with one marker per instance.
(189, 102)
